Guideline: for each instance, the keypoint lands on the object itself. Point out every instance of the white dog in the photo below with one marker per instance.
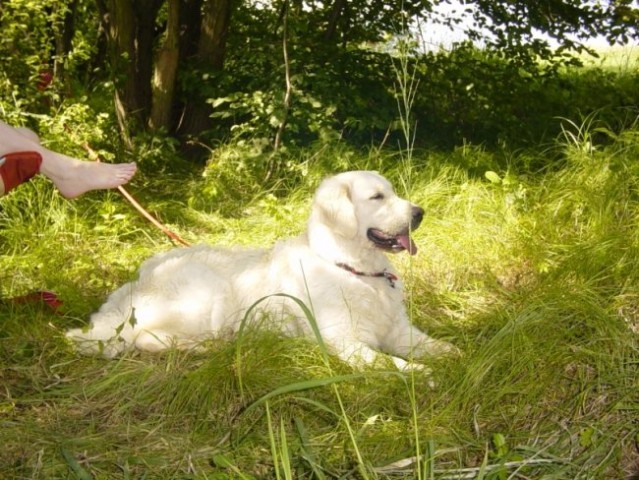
(338, 268)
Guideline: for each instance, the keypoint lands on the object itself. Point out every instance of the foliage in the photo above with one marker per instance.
(465, 96)
(31, 62)
(479, 96)
(22, 55)
(514, 25)
(340, 62)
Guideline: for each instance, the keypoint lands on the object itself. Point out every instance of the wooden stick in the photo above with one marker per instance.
(172, 235)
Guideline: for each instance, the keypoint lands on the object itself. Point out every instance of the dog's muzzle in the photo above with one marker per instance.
(401, 241)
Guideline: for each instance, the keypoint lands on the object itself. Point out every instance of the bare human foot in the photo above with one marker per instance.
(74, 177)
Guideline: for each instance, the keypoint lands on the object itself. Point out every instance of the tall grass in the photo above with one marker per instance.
(532, 275)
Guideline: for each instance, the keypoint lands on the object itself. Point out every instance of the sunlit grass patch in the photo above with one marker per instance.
(533, 275)
(620, 58)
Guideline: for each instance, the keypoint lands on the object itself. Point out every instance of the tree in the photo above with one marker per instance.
(190, 66)
(165, 71)
(63, 26)
(522, 25)
(145, 76)
(35, 42)
(209, 55)
(194, 36)
(130, 28)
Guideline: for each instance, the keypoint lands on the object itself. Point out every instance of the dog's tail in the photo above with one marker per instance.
(111, 329)
(105, 336)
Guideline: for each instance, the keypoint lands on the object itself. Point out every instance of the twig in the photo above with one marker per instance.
(169, 233)
(289, 86)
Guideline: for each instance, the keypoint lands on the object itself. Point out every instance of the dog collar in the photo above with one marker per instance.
(390, 278)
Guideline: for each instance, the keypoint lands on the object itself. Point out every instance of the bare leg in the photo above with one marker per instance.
(71, 176)
(30, 134)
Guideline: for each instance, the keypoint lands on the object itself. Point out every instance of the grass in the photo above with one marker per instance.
(532, 275)
(622, 59)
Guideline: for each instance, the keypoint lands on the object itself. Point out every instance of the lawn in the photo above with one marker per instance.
(532, 274)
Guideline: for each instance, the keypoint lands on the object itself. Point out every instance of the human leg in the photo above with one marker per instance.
(71, 176)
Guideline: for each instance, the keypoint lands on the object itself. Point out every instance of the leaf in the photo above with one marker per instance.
(493, 177)
(221, 461)
(305, 385)
(501, 447)
(308, 454)
(586, 437)
(79, 471)
(216, 102)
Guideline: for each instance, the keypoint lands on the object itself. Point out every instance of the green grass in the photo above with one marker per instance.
(534, 276)
(622, 59)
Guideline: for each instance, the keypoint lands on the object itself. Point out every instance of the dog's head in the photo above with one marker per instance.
(362, 207)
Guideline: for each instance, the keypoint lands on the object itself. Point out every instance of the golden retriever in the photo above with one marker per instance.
(338, 268)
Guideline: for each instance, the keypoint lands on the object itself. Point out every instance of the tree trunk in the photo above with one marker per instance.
(130, 26)
(334, 17)
(146, 12)
(165, 73)
(216, 17)
(120, 24)
(190, 20)
(145, 91)
(64, 31)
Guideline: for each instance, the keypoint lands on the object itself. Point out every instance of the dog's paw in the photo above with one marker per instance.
(407, 366)
(410, 366)
(440, 348)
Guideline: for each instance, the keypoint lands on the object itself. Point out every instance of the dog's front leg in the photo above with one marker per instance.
(410, 342)
(360, 355)
(354, 352)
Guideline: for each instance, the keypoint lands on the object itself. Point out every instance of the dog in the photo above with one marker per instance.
(338, 268)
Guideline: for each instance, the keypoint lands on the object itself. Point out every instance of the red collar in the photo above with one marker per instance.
(390, 278)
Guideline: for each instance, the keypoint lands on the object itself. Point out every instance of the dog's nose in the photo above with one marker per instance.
(417, 217)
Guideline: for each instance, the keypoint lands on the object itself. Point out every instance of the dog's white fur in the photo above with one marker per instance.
(184, 295)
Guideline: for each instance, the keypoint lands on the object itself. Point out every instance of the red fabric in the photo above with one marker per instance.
(17, 168)
(45, 79)
(50, 299)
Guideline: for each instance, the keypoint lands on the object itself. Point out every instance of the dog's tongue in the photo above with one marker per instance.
(407, 242)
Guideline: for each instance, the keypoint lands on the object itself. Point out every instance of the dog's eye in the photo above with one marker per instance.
(378, 196)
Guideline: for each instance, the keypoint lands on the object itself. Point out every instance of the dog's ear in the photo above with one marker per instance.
(334, 207)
